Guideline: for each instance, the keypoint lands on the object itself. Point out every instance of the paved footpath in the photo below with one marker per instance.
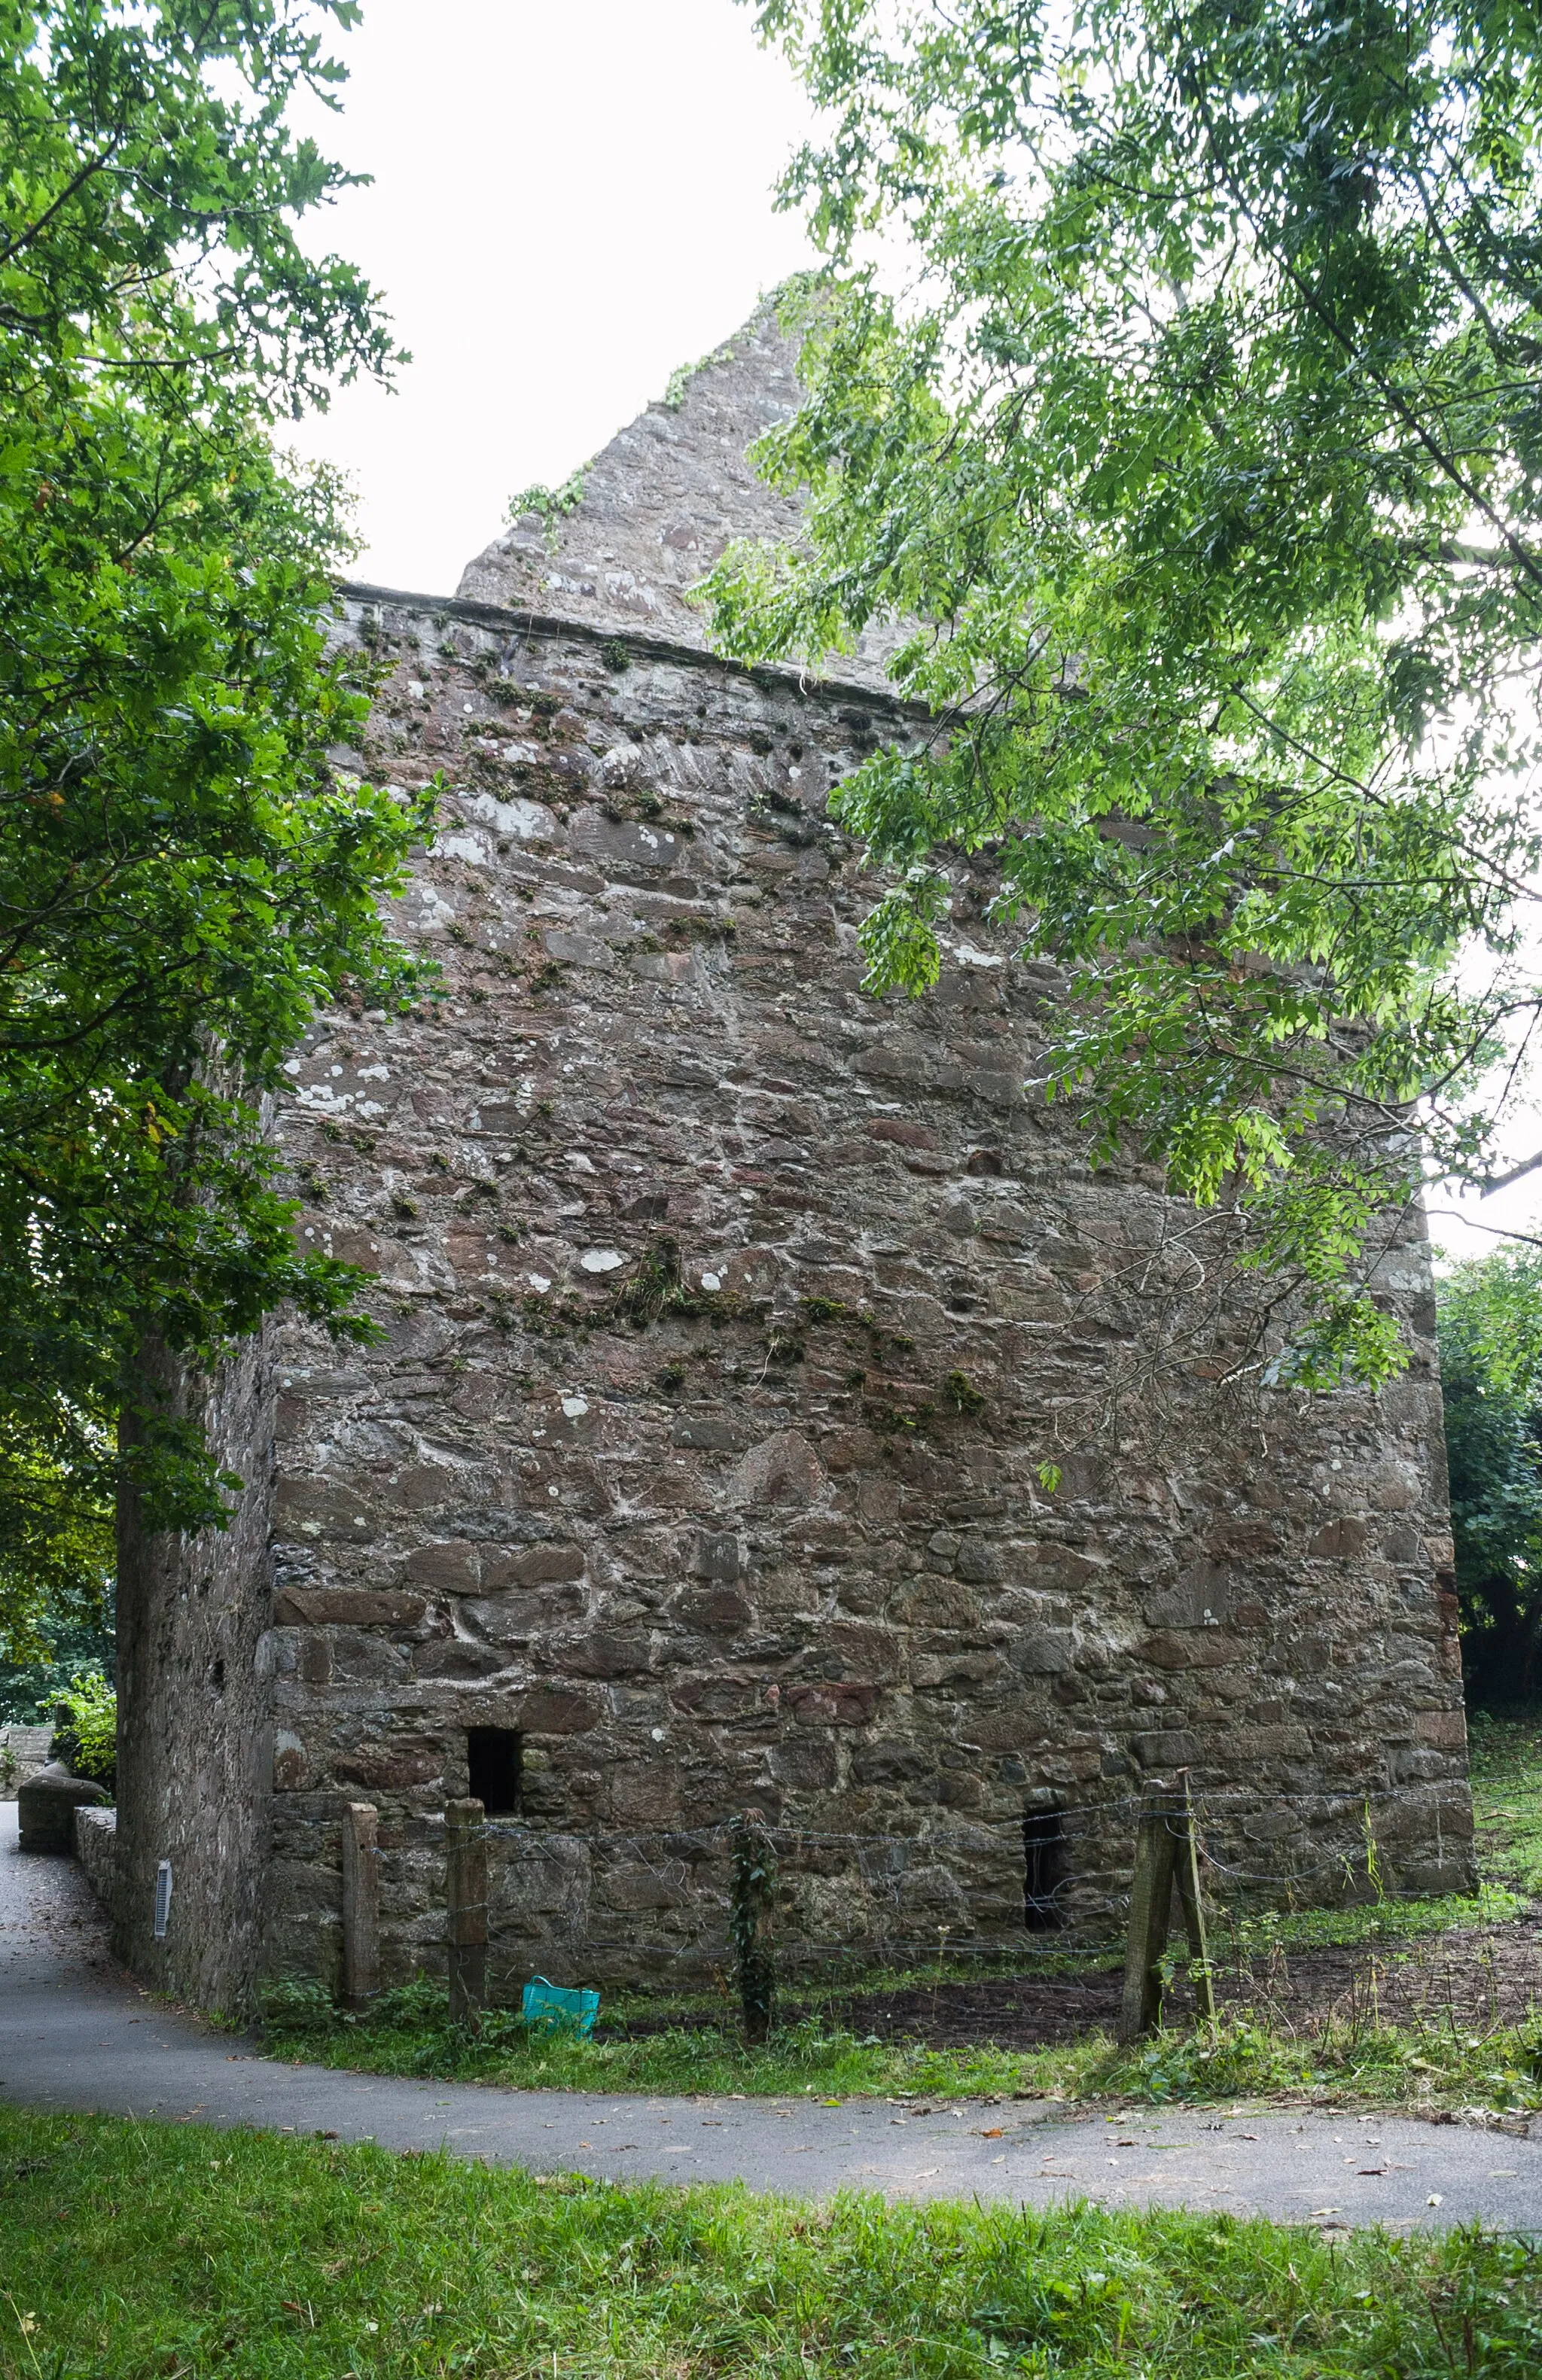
(76, 2034)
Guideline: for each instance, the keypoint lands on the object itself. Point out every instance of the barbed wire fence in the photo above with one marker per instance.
(844, 1905)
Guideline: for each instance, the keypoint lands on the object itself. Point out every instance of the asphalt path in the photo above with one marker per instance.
(78, 2035)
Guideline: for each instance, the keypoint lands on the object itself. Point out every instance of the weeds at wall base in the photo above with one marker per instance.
(1443, 2063)
(409, 2032)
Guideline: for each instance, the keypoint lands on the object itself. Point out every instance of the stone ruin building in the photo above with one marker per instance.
(699, 1467)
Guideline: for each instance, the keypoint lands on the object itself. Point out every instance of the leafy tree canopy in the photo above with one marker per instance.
(1490, 1333)
(183, 880)
(72, 1630)
(1179, 385)
(86, 1738)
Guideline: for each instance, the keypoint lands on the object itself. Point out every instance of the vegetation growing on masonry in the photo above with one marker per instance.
(656, 1290)
(752, 1897)
(550, 505)
(680, 380)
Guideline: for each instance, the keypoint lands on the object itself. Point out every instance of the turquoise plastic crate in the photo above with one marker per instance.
(550, 2008)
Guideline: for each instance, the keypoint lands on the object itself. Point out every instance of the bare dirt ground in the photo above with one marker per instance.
(1468, 1981)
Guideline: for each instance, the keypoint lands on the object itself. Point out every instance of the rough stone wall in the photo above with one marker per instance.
(194, 1748)
(23, 1750)
(659, 505)
(96, 1849)
(724, 1309)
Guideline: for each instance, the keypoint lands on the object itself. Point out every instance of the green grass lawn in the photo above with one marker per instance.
(1507, 1800)
(146, 2251)
(1384, 2065)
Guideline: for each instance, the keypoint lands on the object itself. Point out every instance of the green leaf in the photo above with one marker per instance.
(1201, 466)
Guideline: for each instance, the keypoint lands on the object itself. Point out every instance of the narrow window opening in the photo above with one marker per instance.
(1043, 1851)
(494, 1757)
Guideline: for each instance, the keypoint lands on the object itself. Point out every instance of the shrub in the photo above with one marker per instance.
(86, 1733)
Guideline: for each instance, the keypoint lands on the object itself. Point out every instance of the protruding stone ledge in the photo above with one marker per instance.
(518, 621)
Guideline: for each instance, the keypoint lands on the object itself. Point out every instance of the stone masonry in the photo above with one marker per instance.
(726, 1313)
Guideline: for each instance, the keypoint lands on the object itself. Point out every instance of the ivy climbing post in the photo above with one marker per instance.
(751, 1891)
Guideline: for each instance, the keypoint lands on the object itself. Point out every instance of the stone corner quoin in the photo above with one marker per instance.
(724, 1310)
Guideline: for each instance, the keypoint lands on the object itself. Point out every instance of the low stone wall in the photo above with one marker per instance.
(96, 1849)
(23, 1750)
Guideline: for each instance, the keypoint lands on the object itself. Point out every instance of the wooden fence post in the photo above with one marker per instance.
(1193, 1906)
(466, 1905)
(1150, 1916)
(1167, 1853)
(360, 1904)
(751, 1891)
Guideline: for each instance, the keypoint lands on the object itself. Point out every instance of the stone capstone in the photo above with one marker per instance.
(46, 1807)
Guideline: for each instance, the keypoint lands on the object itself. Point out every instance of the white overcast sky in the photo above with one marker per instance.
(570, 198)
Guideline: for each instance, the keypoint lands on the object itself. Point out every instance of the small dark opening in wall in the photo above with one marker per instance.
(493, 1755)
(1043, 1855)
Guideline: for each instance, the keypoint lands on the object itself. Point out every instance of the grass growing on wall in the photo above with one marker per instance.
(128, 2250)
